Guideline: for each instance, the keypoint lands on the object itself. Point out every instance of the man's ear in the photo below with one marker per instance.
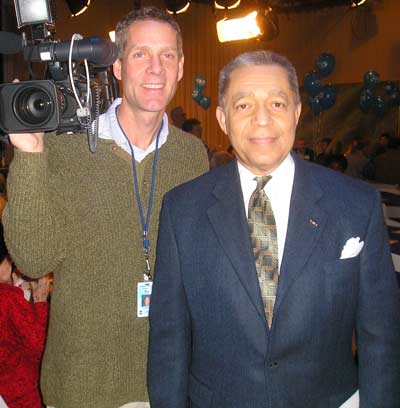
(220, 114)
(180, 68)
(297, 113)
(117, 69)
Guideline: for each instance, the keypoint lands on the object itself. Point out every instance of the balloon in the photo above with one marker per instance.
(315, 104)
(389, 87)
(312, 83)
(379, 105)
(371, 79)
(200, 82)
(394, 98)
(205, 102)
(325, 64)
(366, 100)
(197, 95)
(327, 96)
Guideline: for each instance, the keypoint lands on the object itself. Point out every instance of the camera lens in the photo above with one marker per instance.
(33, 105)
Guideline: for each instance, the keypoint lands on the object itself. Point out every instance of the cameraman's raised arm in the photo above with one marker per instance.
(30, 223)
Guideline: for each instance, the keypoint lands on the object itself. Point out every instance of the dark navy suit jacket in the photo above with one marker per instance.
(210, 345)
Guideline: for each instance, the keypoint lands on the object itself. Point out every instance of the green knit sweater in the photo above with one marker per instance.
(74, 213)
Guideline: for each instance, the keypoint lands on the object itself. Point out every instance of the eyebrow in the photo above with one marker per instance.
(239, 95)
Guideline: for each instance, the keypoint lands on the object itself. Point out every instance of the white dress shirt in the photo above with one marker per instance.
(279, 192)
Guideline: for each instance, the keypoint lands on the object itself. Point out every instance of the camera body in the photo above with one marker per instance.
(43, 105)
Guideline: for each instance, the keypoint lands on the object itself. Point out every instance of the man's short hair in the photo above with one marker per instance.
(145, 14)
(257, 58)
(189, 124)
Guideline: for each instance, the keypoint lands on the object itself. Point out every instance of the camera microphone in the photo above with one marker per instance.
(10, 43)
(98, 51)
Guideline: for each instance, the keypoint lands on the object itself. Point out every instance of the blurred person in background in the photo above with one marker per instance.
(23, 325)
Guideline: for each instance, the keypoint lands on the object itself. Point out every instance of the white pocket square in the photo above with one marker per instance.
(352, 248)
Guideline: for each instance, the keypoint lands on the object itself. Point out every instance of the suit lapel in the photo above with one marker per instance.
(305, 225)
(228, 219)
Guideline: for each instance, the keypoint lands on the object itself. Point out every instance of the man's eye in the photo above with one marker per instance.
(138, 54)
(242, 106)
(169, 55)
(278, 105)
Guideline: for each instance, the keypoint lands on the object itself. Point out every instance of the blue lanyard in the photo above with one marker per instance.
(145, 222)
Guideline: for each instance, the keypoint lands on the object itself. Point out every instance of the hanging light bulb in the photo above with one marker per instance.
(358, 3)
(78, 7)
(177, 6)
(226, 4)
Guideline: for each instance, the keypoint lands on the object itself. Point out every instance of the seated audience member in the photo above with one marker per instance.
(219, 158)
(358, 158)
(178, 116)
(193, 126)
(336, 162)
(322, 149)
(303, 151)
(387, 164)
(23, 332)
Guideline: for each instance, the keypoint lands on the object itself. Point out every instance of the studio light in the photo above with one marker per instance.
(226, 4)
(238, 28)
(30, 12)
(358, 3)
(177, 6)
(78, 7)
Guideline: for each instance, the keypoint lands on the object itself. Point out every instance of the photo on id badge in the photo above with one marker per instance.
(143, 298)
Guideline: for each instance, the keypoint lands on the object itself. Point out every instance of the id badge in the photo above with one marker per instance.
(143, 298)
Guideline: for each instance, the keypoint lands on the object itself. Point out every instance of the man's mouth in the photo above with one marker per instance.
(153, 86)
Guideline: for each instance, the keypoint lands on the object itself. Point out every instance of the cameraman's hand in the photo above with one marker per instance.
(27, 142)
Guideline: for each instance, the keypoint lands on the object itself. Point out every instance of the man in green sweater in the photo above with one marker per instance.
(92, 219)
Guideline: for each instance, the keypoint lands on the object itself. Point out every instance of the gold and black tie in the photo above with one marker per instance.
(265, 245)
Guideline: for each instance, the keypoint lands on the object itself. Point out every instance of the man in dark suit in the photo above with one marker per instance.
(257, 294)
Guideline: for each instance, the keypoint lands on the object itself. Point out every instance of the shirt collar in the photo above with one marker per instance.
(282, 176)
(109, 129)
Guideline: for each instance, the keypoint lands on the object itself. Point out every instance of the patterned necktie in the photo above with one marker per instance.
(265, 245)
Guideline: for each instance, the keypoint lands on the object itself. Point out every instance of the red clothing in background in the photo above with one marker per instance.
(22, 337)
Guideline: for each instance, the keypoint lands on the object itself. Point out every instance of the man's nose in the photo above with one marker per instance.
(155, 66)
(263, 115)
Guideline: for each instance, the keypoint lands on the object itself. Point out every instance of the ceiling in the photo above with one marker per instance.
(286, 6)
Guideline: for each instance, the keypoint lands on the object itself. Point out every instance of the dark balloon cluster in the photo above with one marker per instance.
(320, 97)
(371, 101)
(197, 93)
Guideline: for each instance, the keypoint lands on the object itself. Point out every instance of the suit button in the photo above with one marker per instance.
(273, 364)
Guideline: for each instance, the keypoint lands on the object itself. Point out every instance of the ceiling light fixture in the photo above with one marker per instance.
(358, 3)
(78, 7)
(177, 6)
(238, 28)
(226, 4)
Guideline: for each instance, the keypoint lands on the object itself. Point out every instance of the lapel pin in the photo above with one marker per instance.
(313, 223)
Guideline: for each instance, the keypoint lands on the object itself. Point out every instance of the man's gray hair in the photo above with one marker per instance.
(145, 14)
(257, 58)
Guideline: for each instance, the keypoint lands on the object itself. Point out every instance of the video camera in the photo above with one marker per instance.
(68, 99)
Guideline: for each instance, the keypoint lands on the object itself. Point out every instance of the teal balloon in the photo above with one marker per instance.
(389, 87)
(366, 100)
(315, 104)
(200, 82)
(325, 64)
(327, 96)
(371, 79)
(205, 102)
(312, 83)
(394, 98)
(197, 95)
(379, 105)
